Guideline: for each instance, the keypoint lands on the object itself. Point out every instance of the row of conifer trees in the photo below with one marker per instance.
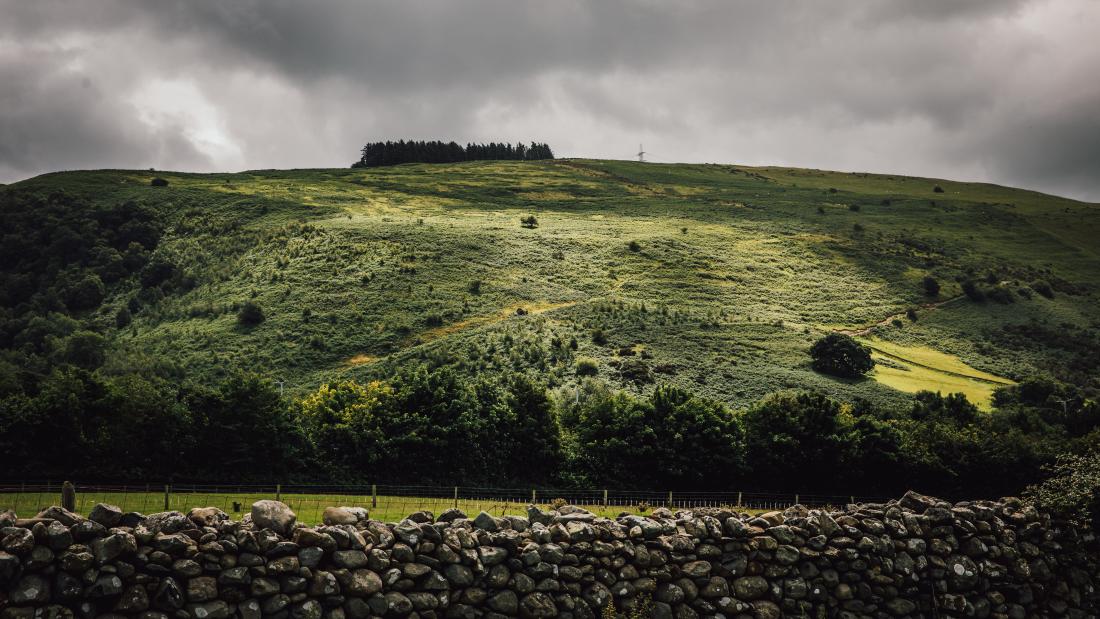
(392, 153)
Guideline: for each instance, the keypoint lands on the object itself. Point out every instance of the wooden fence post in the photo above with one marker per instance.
(456, 497)
(738, 500)
(167, 491)
(670, 499)
(278, 492)
(373, 496)
(605, 497)
(534, 494)
(796, 499)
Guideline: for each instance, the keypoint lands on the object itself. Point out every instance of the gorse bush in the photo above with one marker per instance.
(931, 286)
(250, 314)
(587, 367)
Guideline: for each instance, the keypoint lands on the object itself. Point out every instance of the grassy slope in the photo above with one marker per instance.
(736, 271)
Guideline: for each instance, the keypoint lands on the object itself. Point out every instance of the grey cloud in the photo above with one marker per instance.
(936, 87)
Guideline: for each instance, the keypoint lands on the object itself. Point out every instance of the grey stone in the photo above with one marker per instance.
(505, 602)
(750, 587)
(106, 514)
(274, 515)
(207, 516)
(537, 605)
(31, 589)
(134, 600)
(486, 522)
(61, 515)
(339, 515)
(451, 515)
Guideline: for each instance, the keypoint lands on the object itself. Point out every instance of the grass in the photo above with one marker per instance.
(916, 368)
(736, 272)
(309, 507)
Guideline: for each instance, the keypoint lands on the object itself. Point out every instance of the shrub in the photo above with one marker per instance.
(1043, 288)
(635, 371)
(634, 246)
(937, 189)
(475, 287)
(931, 286)
(821, 210)
(558, 503)
(857, 228)
(599, 338)
(911, 314)
(250, 314)
(972, 291)
(529, 222)
(123, 318)
(1002, 295)
(643, 507)
(587, 367)
(1073, 488)
(841, 355)
(853, 207)
(158, 182)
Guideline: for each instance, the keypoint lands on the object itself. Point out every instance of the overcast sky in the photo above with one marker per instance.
(1006, 91)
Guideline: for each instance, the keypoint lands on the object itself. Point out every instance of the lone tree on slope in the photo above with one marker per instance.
(840, 355)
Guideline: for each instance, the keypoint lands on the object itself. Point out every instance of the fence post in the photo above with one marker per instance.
(373, 496)
(605, 497)
(852, 499)
(278, 492)
(166, 492)
(533, 495)
(670, 499)
(68, 496)
(456, 497)
(796, 499)
(738, 500)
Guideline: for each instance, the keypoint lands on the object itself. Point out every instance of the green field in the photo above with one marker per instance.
(309, 507)
(716, 277)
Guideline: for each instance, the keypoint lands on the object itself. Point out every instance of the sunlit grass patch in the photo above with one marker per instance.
(920, 368)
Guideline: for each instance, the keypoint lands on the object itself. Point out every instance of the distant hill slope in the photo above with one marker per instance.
(713, 277)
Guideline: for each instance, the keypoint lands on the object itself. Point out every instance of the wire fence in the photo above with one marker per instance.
(392, 502)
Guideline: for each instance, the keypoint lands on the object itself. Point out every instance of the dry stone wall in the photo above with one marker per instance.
(915, 557)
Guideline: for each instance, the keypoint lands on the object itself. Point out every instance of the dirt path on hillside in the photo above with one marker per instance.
(863, 331)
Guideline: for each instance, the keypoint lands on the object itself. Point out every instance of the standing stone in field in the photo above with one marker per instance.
(274, 515)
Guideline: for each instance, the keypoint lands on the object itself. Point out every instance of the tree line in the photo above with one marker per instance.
(436, 426)
(393, 153)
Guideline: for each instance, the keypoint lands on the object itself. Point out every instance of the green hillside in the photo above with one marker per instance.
(715, 278)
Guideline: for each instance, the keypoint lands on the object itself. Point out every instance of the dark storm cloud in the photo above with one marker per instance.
(997, 90)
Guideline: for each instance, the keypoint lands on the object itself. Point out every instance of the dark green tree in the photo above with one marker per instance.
(841, 355)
